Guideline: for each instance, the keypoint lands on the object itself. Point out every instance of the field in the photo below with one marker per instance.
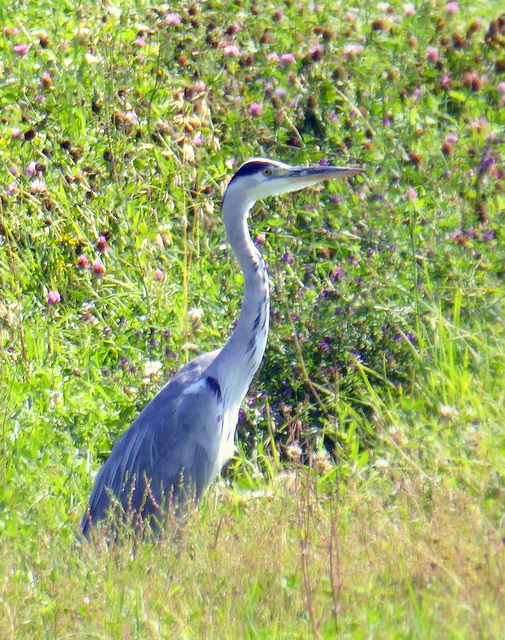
(366, 498)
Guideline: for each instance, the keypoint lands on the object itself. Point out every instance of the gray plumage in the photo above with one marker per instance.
(181, 440)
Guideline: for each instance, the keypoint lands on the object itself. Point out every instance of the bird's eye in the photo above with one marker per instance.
(267, 171)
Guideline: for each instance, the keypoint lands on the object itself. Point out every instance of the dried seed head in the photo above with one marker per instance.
(416, 158)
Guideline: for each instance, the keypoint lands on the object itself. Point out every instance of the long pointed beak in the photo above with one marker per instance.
(306, 176)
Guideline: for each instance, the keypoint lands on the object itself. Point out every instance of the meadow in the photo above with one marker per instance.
(367, 495)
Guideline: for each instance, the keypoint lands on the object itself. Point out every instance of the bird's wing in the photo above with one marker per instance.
(174, 440)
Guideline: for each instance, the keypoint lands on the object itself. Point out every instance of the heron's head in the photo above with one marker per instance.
(259, 178)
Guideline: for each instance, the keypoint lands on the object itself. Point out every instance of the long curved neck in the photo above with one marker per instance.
(241, 356)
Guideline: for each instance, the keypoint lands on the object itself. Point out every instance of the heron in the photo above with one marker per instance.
(179, 443)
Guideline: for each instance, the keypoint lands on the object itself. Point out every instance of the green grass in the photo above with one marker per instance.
(367, 496)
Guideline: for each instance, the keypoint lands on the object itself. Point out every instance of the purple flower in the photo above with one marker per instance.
(38, 186)
(131, 116)
(488, 235)
(21, 49)
(139, 42)
(82, 262)
(158, 275)
(173, 18)
(255, 109)
(287, 58)
(451, 138)
(452, 7)
(323, 162)
(98, 269)
(487, 163)
(53, 297)
(231, 50)
(350, 50)
(12, 187)
(234, 28)
(338, 273)
(102, 244)
(316, 51)
(30, 170)
(432, 54)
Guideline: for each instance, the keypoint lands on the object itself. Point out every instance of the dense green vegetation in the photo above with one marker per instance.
(367, 495)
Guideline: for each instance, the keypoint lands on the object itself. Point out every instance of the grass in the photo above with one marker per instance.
(366, 497)
(387, 557)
